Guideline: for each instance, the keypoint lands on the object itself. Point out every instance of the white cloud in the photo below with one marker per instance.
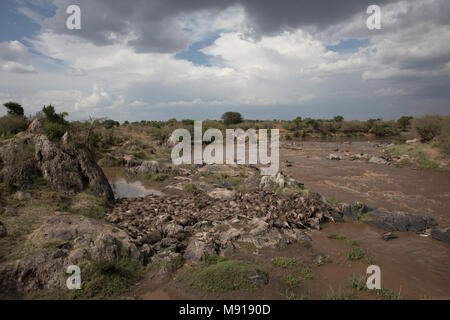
(15, 67)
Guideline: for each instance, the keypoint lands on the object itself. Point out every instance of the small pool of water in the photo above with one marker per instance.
(124, 188)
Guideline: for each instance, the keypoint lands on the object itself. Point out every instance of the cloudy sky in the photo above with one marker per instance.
(161, 59)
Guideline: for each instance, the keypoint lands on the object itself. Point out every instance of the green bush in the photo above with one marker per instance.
(12, 124)
(383, 128)
(428, 126)
(54, 131)
(55, 126)
(404, 122)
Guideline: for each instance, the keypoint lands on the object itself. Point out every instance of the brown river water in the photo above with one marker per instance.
(417, 266)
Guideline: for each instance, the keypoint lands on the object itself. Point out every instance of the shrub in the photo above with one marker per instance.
(55, 126)
(445, 135)
(232, 118)
(355, 253)
(428, 126)
(54, 131)
(382, 129)
(12, 124)
(404, 122)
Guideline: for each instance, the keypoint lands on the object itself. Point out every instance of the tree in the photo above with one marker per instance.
(232, 118)
(404, 122)
(55, 126)
(52, 116)
(14, 109)
(338, 118)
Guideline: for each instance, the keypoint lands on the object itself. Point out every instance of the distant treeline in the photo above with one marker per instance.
(427, 128)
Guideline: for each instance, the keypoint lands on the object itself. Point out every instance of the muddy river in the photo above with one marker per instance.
(417, 266)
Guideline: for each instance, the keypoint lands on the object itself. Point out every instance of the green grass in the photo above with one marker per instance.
(336, 236)
(97, 212)
(285, 262)
(358, 283)
(323, 260)
(299, 270)
(222, 179)
(355, 253)
(387, 294)
(222, 276)
(332, 295)
(292, 281)
(353, 242)
(103, 278)
(291, 295)
(333, 200)
(191, 188)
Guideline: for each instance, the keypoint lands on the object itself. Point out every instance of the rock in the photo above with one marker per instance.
(354, 211)
(258, 226)
(20, 195)
(412, 141)
(260, 278)
(66, 168)
(221, 194)
(65, 138)
(360, 156)
(266, 183)
(279, 180)
(11, 212)
(131, 161)
(388, 236)
(153, 237)
(298, 235)
(398, 221)
(3, 231)
(441, 234)
(377, 160)
(332, 156)
(172, 229)
(197, 250)
(35, 127)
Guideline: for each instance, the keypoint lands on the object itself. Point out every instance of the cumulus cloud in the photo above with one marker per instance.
(16, 67)
(264, 54)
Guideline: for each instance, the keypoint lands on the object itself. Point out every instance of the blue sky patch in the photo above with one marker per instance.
(194, 55)
(15, 25)
(349, 45)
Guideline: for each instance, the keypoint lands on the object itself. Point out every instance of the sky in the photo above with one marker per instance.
(161, 59)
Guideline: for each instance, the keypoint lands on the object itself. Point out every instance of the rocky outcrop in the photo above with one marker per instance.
(78, 239)
(398, 221)
(389, 221)
(66, 168)
(441, 234)
(199, 225)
